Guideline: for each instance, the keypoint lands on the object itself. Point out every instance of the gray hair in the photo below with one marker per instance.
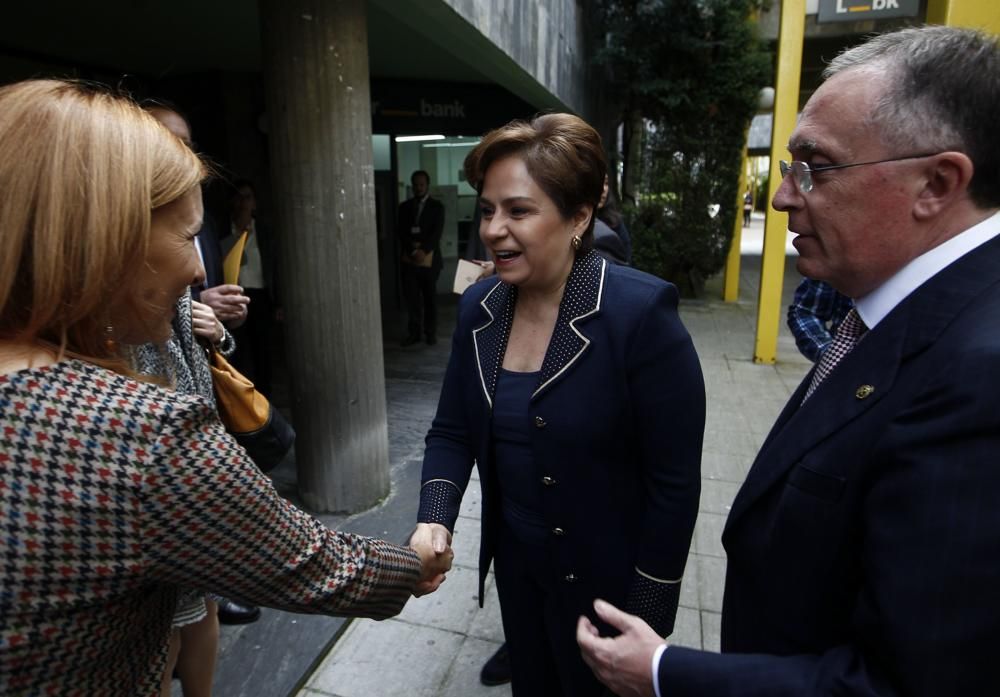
(942, 93)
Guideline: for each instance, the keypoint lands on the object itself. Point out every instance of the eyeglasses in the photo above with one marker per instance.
(803, 172)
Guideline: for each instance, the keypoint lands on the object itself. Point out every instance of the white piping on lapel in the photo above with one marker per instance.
(475, 343)
(572, 325)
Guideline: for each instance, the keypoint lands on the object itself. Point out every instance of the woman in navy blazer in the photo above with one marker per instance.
(575, 387)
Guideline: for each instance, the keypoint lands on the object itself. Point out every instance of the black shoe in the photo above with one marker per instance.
(410, 341)
(231, 612)
(431, 340)
(496, 671)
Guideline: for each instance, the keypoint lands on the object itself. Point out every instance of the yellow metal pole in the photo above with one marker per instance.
(786, 104)
(975, 14)
(731, 284)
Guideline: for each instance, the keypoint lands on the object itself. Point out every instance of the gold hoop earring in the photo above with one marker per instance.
(577, 241)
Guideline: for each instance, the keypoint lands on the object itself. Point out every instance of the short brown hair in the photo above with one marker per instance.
(563, 155)
(81, 172)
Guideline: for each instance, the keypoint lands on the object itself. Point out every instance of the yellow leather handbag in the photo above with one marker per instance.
(248, 415)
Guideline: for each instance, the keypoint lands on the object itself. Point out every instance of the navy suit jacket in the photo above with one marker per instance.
(431, 226)
(211, 254)
(608, 244)
(864, 546)
(617, 421)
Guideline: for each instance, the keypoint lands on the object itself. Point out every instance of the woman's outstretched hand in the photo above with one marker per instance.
(432, 543)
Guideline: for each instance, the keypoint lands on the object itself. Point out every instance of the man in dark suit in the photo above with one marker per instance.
(226, 300)
(418, 227)
(864, 546)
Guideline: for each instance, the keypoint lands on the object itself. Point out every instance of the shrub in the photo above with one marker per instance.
(676, 244)
(691, 71)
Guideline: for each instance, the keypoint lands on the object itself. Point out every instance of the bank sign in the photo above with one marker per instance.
(859, 10)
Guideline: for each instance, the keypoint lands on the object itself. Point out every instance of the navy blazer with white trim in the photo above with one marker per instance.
(618, 419)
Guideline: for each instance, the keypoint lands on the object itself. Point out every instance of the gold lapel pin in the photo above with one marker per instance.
(864, 392)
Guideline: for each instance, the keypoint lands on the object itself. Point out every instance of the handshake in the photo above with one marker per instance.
(432, 543)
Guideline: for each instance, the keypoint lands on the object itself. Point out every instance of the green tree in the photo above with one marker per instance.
(686, 75)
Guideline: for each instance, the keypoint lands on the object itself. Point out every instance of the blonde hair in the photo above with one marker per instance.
(81, 172)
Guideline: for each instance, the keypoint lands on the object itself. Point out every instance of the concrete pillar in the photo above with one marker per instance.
(319, 114)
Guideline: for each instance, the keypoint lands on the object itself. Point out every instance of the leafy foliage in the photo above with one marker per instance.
(693, 70)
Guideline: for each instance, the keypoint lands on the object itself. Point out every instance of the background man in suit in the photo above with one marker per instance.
(226, 300)
(862, 548)
(418, 227)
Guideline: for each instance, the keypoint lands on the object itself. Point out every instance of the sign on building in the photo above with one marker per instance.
(858, 10)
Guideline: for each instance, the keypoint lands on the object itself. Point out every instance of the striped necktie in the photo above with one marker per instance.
(849, 333)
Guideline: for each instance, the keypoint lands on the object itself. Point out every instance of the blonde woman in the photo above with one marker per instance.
(110, 487)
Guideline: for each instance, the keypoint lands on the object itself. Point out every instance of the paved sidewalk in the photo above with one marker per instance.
(436, 647)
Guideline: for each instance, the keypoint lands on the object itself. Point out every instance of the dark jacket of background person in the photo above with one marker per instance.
(211, 257)
(609, 244)
(431, 225)
(610, 216)
(816, 311)
(618, 421)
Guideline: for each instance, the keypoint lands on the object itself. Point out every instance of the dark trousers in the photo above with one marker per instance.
(539, 622)
(253, 355)
(419, 291)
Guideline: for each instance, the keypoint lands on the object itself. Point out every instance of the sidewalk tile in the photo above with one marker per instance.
(472, 501)
(486, 624)
(736, 442)
(687, 628)
(711, 629)
(465, 542)
(727, 419)
(375, 655)
(463, 680)
(451, 607)
(689, 584)
(711, 581)
(708, 534)
(715, 370)
(722, 466)
(717, 496)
